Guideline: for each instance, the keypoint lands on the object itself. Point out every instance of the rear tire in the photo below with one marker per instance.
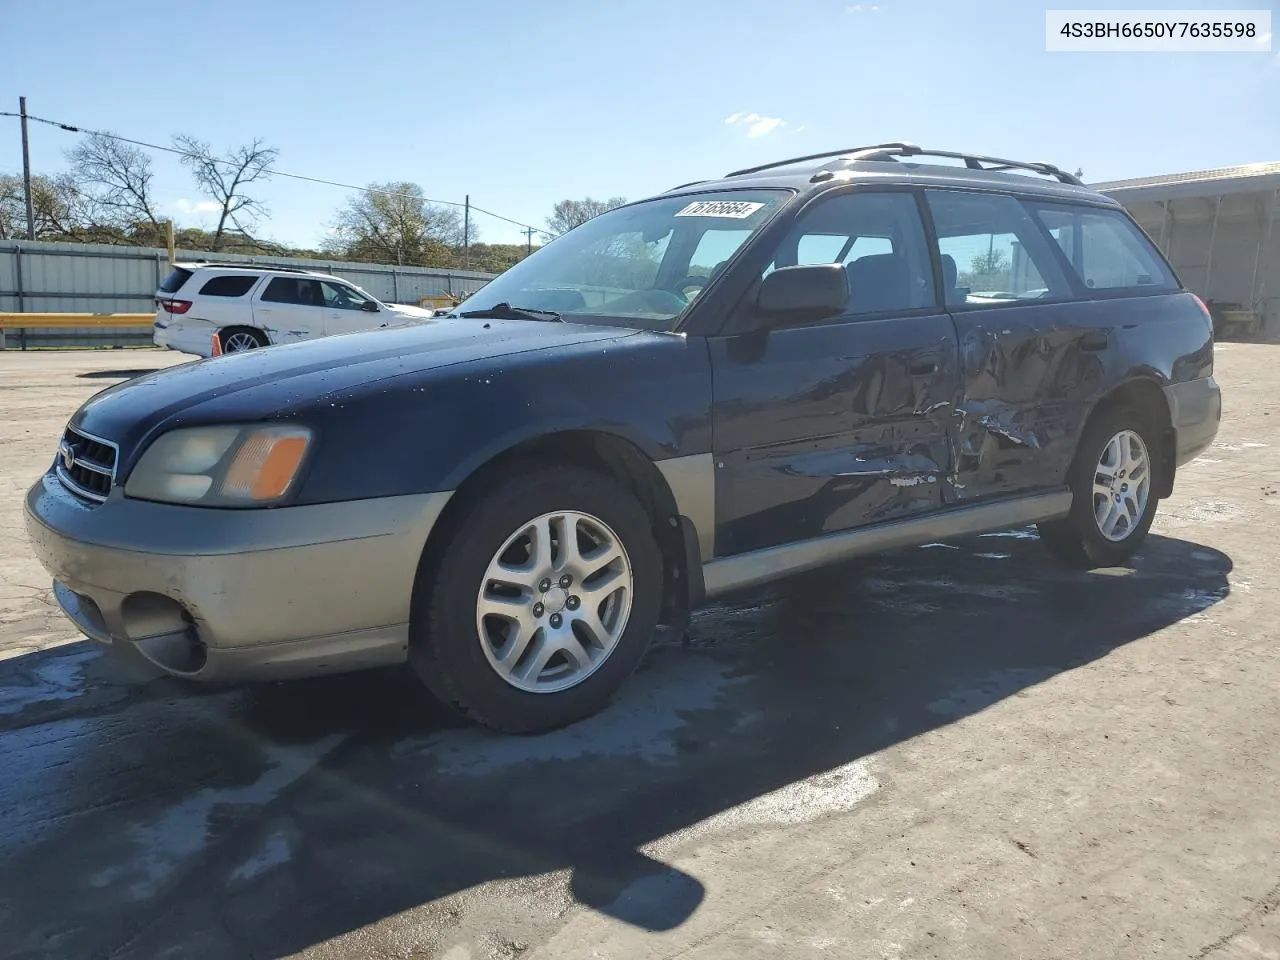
(239, 339)
(1113, 488)
(493, 632)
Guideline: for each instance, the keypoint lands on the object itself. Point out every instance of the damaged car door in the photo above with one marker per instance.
(1030, 358)
(828, 424)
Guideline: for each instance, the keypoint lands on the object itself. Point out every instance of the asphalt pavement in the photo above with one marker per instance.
(959, 750)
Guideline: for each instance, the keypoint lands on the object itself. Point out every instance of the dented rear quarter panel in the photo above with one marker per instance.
(1032, 375)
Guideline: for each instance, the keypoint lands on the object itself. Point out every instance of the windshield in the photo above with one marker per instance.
(640, 265)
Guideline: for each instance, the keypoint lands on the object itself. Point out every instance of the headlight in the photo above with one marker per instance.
(249, 466)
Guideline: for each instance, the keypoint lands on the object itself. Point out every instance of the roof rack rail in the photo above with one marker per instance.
(891, 151)
(973, 161)
(821, 156)
(225, 264)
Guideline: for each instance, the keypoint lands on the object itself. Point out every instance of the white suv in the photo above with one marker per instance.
(211, 308)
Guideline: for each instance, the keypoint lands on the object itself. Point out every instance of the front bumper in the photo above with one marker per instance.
(236, 594)
(1195, 411)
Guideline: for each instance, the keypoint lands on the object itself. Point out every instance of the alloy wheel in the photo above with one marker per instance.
(1121, 485)
(554, 601)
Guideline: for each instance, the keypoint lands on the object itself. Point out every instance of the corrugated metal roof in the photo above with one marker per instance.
(1246, 173)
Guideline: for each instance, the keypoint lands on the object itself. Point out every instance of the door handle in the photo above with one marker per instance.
(1095, 340)
(923, 368)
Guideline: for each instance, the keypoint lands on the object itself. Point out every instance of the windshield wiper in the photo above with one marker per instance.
(505, 311)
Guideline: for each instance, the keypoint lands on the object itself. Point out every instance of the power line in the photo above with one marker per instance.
(71, 128)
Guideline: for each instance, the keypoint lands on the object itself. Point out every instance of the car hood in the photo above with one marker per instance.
(277, 381)
(407, 311)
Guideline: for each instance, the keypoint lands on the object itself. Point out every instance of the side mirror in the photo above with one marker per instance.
(369, 306)
(803, 293)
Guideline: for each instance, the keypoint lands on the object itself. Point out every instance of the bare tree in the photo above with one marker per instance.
(226, 179)
(393, 223)
(568, 214)
(116, 178)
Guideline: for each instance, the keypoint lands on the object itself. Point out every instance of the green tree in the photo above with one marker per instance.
(568, 214)
(60, 207)
(394, 223)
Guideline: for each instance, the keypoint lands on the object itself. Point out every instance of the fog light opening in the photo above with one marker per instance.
(164, 632)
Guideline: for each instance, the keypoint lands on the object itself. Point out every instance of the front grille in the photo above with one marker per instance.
(86, 465)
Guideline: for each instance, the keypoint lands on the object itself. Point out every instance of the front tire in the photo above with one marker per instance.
(540, 603)
(1113, 493)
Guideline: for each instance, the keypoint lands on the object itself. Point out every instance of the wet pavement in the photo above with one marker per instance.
(266, 820)
(959, 750)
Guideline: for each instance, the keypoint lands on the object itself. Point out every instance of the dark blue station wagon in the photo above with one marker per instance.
(733, 381)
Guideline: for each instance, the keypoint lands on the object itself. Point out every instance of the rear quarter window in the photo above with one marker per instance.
(228, 286)
(174, 281)
(1106, 250)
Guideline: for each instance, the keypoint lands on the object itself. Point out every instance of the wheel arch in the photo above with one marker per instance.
(612, 455)
(243, 328)
(1145, 395)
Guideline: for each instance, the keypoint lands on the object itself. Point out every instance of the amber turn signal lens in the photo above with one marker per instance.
(265, 465)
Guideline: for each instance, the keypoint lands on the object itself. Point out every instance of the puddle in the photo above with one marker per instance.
(976, 695)
(273, 853)
(183, 830)
(58, 678)
(833, 791)
(1022, 533)
(1202, 511)
(642, 723)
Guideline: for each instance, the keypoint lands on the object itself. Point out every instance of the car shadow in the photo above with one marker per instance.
(117, 374)
(148, 817)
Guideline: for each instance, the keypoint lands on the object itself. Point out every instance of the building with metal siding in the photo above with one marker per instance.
(1218, 228)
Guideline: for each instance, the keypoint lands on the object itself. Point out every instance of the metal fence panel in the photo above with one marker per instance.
(37, 276)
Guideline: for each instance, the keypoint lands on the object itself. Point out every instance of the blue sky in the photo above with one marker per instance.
(521, 104)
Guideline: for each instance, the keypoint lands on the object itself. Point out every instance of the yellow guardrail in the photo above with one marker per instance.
(30, 321)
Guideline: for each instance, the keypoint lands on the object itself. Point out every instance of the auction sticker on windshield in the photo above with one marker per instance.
(736, 209)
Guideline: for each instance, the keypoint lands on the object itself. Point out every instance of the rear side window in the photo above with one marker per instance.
(174, 281)
(992, 251)
(1106, 250)
(228, 286)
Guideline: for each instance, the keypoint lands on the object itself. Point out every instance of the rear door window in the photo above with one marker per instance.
(233, 285)
(1106, 250)
(300, 290)
(174, 281)
(992, 251)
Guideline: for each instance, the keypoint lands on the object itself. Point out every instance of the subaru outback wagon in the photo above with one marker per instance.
(733, 381)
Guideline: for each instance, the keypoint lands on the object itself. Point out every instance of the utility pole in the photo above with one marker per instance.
(528, 241)
(26, 169)
(466, 234)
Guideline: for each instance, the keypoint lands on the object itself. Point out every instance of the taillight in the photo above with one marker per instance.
(176, 306)
(1206, 368)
